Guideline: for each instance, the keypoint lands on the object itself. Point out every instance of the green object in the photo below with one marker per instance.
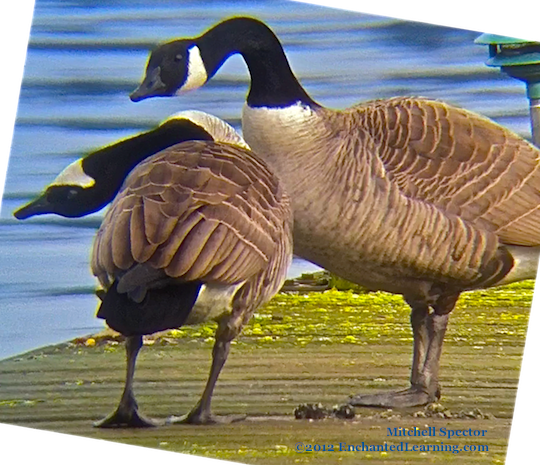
(509, 51)
(519, 59)
(494, 39)
(515, 60)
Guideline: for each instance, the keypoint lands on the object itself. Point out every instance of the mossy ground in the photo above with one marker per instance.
(300, 348)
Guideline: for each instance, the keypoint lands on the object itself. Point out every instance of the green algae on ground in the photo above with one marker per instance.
(300, 348)
(364, 318)
(322, 280)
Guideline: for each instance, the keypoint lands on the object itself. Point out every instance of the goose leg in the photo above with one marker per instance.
(419, 323)
(126, 414)
(429, 329)
(201, 414)
(428, 377)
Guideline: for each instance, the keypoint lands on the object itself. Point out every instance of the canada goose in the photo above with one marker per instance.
(89, 183)
(405, 195)
(200, 231)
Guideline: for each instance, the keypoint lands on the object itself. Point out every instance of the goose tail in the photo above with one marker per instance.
(161, 309)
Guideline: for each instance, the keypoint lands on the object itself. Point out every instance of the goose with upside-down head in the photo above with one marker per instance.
(198, 230)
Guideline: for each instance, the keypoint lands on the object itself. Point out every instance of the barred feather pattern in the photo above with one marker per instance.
(369, 205)
(414, 238)
(261, 288)
(459, 161)
(205, 211)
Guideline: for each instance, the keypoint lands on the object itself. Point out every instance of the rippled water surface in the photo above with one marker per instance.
(83, 60)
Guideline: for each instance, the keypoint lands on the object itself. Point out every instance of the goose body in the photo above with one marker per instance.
(200, 230)
(366, 188)
(407, 195)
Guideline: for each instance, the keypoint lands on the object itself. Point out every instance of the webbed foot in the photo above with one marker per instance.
(411, 397)
(198, 418)
(125, 419)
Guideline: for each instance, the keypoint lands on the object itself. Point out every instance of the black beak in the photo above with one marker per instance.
(152, 86)
(40, 206)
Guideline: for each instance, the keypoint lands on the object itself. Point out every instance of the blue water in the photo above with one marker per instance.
(83, 60)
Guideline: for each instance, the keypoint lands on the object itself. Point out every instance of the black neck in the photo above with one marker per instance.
(273, 83)
(111, 165)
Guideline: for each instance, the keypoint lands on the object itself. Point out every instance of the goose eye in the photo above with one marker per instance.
(72, 193)
(178, 58)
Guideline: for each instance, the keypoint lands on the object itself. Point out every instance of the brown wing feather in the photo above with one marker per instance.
(459, 161)
(199, 211)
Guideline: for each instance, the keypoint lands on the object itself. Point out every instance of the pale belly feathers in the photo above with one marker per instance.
(213, 302)
(525, 264)
(278, 136)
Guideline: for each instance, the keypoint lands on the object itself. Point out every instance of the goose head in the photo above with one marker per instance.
(71, 194)
(173, 67)
(188, 63)
(89, 183)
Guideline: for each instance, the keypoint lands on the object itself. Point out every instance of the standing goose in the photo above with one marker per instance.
(200, 231)
(406, 195)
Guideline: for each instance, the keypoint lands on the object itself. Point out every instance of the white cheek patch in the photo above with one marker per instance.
(196, 75)
(74, 175)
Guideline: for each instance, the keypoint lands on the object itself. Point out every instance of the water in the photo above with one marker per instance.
(84, 59)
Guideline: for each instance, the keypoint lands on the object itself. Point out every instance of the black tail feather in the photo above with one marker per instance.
(161, 309)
